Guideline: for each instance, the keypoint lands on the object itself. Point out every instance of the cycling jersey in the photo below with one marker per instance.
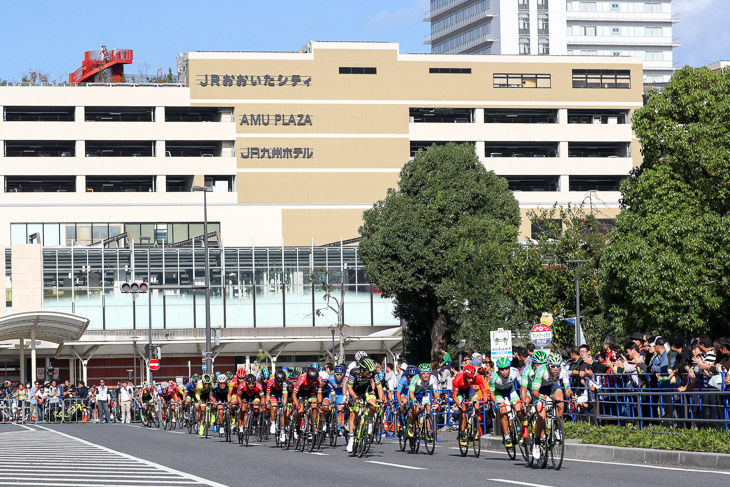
(203, 391)
(498, 383)
(336, 388)
(146, 394)
(303, 387)
(528, 374)
(461, 386)
(190, 389)
(363, 385)
(276, 389)
(220, 395)
(403, 384)
(420, 389)
(547, 384)
(247, 392)
(236, 384)
(351, 366)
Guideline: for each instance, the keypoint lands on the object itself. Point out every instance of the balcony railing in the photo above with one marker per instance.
(469, 44)
(428, 15)
(624, 16)
(456, 26)
(624, 40)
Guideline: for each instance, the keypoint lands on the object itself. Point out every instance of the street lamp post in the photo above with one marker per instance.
(208, 345)
(134, 354)
(333, 344)
(577, 263)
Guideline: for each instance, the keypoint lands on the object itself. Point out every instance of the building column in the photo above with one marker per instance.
(159, 114)
(563, 149)
(564, 183)
(72, 371)
(80, 184)
(84, 373)
(479, 116)
(160, 148)
(22, 360)
(563, 116)
(79, 114)
(2, 178)
(80, 148)
(162, 184)
(33, 363)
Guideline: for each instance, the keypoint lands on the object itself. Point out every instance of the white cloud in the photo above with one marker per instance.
(389, 19)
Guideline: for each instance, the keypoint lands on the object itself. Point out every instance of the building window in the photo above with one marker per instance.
(615, 31)
(616, 53)
(543, 25)
(653, 56)
(524, 24)
(543, 46)
(356, 70)
(587, 7)
(587, 30)
(542, 4)
(523, 4)
(516, 80)
(652, 7)
(524, 45)
(602, 78)
(449, 70)
(615, 7)
(653, 31)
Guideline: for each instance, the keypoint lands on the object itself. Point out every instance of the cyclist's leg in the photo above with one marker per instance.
(559, 405)
(501, 407)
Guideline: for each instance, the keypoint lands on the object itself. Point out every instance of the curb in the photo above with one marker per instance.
(583, 451)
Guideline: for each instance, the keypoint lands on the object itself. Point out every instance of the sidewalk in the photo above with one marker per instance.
(578, 450)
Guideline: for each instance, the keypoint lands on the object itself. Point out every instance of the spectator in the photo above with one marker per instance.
(104, 54)
(390, 376)
(446, 363)
(91, 401)
(608, 343)
(22, 395)
(54, 395)
(102, 402)
(722, 362)
(707, 358)
(33, 399)
(82, 392)
(124, 396)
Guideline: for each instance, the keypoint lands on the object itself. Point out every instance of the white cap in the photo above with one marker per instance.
(403, 366)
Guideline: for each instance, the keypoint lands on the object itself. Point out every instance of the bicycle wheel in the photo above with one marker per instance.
(260, 426)
(154, 419)
(401, 432)
(313, 430)
(333, 427)
(248, 428)
(144, 418)
(227, 424)
(413, 432)
(557, 443)
(512, 450)
(475, 435)
(524, 443)
(429, 434)
(357, 436)
(364, 444)
(303, 432)
(378, 427)
(277, 433)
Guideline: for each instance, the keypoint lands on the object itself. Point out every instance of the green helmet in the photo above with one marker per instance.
(555, 359)
(207, 379)
(423, 368)
(367, 365)
(504, 362)
(539, 357)
(229, 375)
(196, 377)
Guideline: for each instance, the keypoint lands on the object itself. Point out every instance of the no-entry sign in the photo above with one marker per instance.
(154, 364)
(541, 335)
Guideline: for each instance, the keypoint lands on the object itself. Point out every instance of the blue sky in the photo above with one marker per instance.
(51, 36)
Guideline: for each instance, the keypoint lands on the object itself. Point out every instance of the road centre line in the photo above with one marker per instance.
(395, 465)
(185, 475)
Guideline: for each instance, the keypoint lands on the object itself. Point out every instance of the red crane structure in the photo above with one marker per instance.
(102, 66)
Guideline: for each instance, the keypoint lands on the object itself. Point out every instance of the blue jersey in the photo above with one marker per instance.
(191, 389)
(403, 385)
(336, 387)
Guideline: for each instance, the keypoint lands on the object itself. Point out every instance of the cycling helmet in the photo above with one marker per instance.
(222, 379)
(504, 363)
(411, 370)
(296, 372)
(279, 376)
(312, 374)
(265, 374)
(315, 365)
(196, 378)
(424, 368)
(207, 379)
(250, 379)
(367, 366)
(539, 357)
(555, 360)
(229, 375)
(241, 373)
(470, 371)
(360, 355)
(340, 369)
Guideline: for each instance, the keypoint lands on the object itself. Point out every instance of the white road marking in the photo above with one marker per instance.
(395, 465)
(518, 483)
(172, 476)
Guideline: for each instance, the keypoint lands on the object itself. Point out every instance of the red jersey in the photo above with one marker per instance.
(304, 385)
(272, 386)
(246, 390)
(460, 384)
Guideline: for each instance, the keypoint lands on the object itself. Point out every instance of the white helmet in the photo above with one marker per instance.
(360, 355)
(222, 378)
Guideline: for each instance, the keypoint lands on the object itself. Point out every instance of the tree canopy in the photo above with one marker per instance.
(668, 262)
(440, 243)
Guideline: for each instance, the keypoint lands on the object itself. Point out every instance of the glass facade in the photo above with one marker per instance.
(249, 287)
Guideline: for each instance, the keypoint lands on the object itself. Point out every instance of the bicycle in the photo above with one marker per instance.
(401, 428)
(424, 430)
(472, 431)
(306, 430)
(514, 432)
(149, 415)
(334, 427)
(362, 439)
(553, 442)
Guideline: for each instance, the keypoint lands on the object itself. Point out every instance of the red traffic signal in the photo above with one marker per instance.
(134, 287)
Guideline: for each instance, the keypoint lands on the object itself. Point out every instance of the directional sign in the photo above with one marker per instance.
(154, 364)
(501, 344)
(541, 335)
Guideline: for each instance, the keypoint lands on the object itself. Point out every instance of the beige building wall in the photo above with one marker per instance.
(27, 275)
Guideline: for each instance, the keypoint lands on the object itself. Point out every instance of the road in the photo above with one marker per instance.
(130, 455)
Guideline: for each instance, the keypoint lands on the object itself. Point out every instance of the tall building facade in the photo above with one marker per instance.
(97, 184)
(623, 28)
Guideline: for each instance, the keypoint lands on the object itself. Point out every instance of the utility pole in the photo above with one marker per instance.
(577, 263)
(208, 344)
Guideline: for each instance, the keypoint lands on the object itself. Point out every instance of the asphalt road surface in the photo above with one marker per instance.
(131, 455)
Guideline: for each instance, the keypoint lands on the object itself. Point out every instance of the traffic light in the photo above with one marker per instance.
(156, 351)
(134, 287)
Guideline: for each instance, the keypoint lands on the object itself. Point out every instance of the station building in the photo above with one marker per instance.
(97, 183)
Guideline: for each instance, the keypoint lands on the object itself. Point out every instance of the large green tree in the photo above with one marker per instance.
(440, 243)
(668, 263)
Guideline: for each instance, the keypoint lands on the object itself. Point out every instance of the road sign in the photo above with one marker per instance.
(541, 335)
(546, 319)
(501, 344)
(154, 364)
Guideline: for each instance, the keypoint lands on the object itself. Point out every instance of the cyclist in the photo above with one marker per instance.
(336, 383)
(548, 384)
(358, 357)
(419, 392)
(168, 393)
(287, 400)
(362, 384)
(503, 392)
(250, 393)
(219, 396)
(263, 377)
(202, 395)
(401, 390)
(275, 388)
(146, 396)
(308, 386)
(466, 386)
(191, 388)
